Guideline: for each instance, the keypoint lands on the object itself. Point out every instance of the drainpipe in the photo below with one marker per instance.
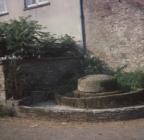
(83, 26)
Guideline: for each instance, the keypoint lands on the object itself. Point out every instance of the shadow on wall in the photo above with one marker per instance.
(42, 78)
(93, 65)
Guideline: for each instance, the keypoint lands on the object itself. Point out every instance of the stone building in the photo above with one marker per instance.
(115, 31)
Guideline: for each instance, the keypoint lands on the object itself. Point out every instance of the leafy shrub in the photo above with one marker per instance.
(93, 65)
(62, 46)
(126, 80)
(7, 111)
(19, 37)
(129, 80)
(24, 38)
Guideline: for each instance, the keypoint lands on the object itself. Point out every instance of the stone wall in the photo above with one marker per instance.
(115, 32)
(2, 86)
(37, 77)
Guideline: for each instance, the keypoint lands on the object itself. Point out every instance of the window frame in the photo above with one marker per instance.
(5, 12)
(37, 4)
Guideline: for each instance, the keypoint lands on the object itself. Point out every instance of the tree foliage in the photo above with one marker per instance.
(25, 38)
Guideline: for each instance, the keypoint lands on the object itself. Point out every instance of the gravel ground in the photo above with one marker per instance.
(29, 129)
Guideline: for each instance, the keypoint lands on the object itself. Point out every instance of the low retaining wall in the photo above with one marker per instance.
(106, 101)
(76, 114)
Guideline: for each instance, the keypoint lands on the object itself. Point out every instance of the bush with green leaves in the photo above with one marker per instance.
(93, 65)
(126, 80)
(25, 38)
(129, 80)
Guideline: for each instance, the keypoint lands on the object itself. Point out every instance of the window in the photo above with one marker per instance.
(35, 3)
(3, 7)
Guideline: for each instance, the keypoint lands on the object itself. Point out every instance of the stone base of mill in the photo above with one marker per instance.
(99, 92)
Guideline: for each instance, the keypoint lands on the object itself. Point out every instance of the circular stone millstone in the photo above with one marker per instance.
(97, 83)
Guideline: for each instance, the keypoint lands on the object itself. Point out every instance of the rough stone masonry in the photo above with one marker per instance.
(115, 32)
(2, 86)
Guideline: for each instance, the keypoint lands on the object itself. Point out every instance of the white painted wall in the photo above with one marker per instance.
(60, 17)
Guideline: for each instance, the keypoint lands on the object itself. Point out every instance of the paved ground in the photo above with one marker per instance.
(28, 129)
